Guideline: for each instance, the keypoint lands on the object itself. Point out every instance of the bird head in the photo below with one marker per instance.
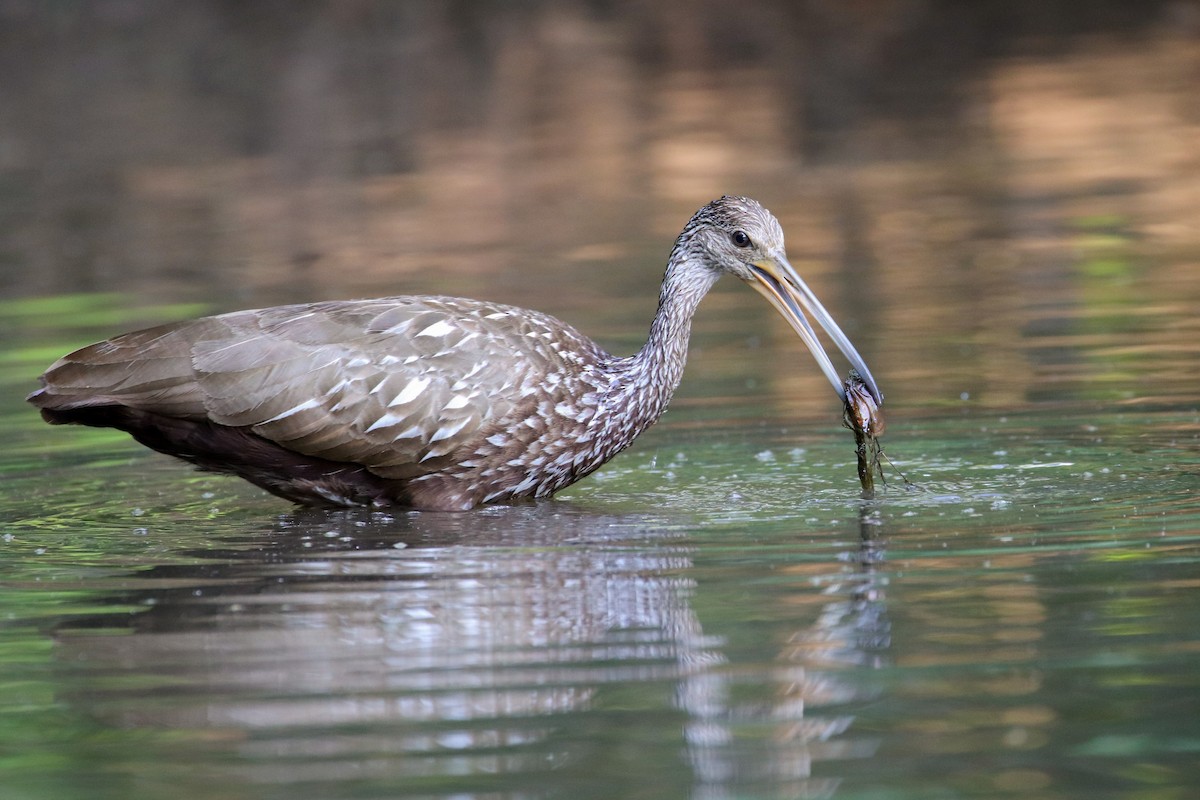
(737, 235)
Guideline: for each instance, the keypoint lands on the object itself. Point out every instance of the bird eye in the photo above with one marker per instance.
(740, 239)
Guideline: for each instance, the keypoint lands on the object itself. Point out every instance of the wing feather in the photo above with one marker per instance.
(398, 384)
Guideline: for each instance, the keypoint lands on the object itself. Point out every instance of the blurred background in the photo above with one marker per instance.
(953, 178)
(1000, 202)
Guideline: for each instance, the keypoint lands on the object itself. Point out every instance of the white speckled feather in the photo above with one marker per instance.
(433, 402)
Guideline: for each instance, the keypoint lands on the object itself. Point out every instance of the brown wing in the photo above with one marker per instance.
(396, 384)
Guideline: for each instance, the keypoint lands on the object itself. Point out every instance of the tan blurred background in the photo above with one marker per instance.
(953, 177)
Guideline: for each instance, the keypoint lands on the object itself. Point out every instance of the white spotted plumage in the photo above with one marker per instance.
(432, 402)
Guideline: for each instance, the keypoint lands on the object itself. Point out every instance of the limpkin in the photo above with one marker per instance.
(425, 402)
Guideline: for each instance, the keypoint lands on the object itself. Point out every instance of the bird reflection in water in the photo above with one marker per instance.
(342, 647)
(774, 742)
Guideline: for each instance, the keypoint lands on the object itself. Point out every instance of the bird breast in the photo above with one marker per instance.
(418, 389)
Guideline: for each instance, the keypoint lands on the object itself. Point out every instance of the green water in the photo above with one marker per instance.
(715, 614)
(997, 201)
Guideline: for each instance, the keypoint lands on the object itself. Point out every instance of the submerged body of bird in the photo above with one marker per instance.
(425, 402)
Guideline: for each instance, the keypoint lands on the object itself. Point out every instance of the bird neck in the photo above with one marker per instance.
(641, 385)
(655, 371)
(684, 285)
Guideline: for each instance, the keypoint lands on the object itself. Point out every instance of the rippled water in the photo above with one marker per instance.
(712, 616)
(1010, 239)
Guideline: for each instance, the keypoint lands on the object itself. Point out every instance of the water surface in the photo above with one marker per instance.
(1008, 234)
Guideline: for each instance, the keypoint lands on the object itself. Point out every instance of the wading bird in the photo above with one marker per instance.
(434, 403)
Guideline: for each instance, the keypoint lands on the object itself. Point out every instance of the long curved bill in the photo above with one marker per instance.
(776, 280)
